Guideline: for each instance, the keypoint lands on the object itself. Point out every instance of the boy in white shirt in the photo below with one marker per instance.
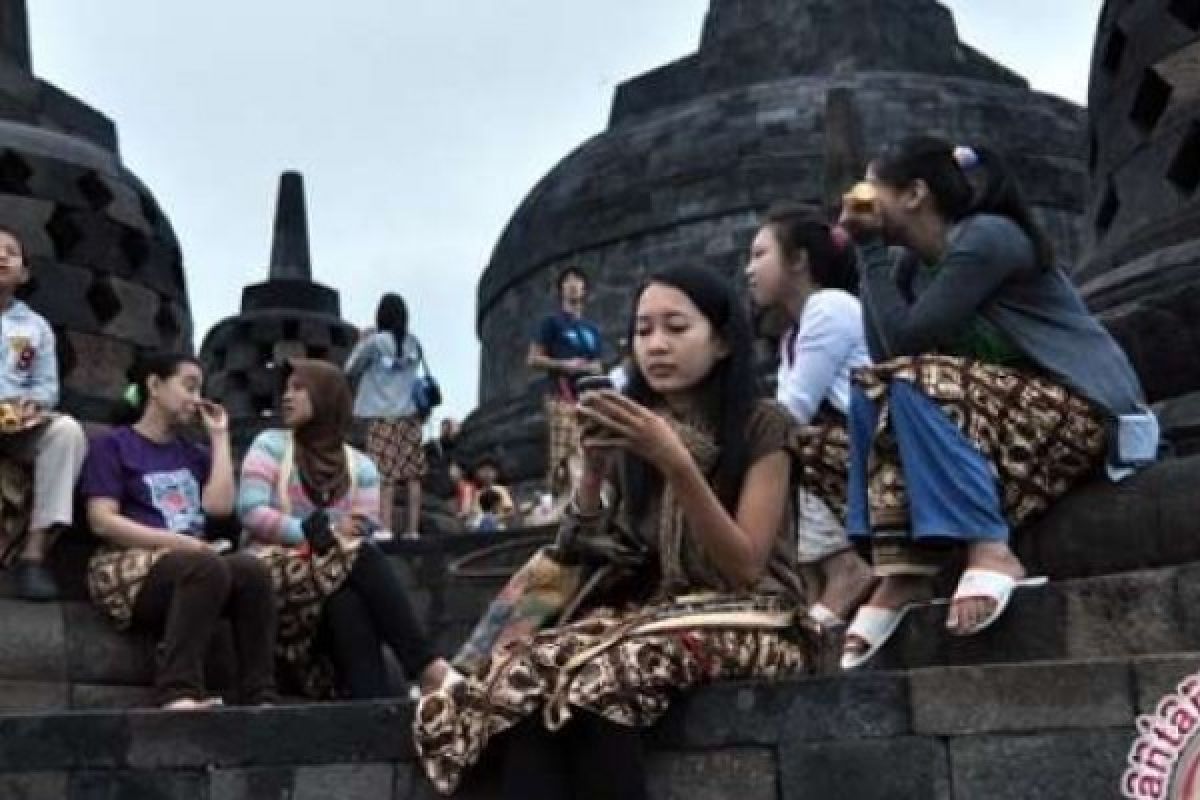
(54, 442)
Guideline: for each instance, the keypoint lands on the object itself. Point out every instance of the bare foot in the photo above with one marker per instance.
(848, 582)
(966, 614)
(892, 592)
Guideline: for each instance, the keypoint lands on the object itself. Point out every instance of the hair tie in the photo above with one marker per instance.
(132, 395)
(840, 237)
(966, 158)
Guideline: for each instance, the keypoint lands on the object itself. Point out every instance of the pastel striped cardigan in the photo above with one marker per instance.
(267, 520)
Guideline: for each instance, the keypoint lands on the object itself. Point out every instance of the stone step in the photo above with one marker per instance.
(1127, 614)
(998, 732)
(1147, 520)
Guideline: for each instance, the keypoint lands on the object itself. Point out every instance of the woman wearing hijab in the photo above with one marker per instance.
(309, 504)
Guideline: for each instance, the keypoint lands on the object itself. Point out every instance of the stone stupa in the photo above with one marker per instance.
(106, 268)
(288, 315)
(784, 100)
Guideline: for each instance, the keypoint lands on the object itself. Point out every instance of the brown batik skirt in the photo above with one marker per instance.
(395, 447)
(115, 577)
(301, 581)
(562, 431)
(1039, 438)
(624, 666)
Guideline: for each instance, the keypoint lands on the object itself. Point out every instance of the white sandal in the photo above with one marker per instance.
(991, 585)
(874, 626)
(824, 616)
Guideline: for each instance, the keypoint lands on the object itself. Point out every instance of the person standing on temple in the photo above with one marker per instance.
(384, 366)
(30, 429)
(565, 347)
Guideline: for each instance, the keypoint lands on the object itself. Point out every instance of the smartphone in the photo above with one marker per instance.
(594, 383)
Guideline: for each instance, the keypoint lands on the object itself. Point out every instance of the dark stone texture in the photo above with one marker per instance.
(1119, 615)
(344, 781)
(31, 641)
(251, 784)
(34, 786)
(1047, 766)
(289, 245)
(24, 695)
(822, 38)
(62, 741)
(242, 736)
(1021, 697)
(1147, 520)
(865, 769)
(139, 786)
(748, 773)
(1157, 676)
(1142, 260)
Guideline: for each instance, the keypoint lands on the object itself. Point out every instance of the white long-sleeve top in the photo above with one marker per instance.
(818, 354)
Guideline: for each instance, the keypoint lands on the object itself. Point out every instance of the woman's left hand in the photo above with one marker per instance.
(214, 417)
(628, 425)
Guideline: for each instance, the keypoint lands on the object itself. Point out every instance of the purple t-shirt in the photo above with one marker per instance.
(159, 485)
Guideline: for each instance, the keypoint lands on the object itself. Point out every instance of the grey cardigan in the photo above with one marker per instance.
(989, 269)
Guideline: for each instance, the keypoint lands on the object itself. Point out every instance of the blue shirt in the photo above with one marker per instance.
(565, 336)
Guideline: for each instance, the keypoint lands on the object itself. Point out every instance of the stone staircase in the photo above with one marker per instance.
(1040, 706)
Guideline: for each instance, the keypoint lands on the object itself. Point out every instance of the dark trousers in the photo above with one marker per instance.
(590, 759)
(182, 600)
(369, 610)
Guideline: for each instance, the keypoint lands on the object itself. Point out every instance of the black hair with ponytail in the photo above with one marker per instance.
(944, 169)
(132, 403)
(832, 261)
(392, 316)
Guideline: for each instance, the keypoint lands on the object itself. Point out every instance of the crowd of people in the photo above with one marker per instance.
(939, 384)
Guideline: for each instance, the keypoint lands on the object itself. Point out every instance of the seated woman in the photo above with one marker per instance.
(309, 503)
(994, 391)
(492, 507)
(149, 493)
(801, 266)
(701, 566)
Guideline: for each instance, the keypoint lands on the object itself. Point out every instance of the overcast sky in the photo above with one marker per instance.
(418, 125)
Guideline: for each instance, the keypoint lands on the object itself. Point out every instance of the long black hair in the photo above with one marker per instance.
(728, 393)
(832, 262)
(934, 161)
(392, 316)
(131, 405)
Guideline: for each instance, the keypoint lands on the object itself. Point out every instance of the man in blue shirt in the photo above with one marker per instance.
(30, 429)
(565, 346)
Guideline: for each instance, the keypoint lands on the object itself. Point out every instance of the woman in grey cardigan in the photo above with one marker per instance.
(384, 364)
(994, 390)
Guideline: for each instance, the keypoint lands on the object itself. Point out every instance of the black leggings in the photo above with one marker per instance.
(590, 759)
(369, 610)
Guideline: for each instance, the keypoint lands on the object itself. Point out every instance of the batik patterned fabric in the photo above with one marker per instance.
(1038, 438)
(395, 445)
(115, 577)
(625, 666)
